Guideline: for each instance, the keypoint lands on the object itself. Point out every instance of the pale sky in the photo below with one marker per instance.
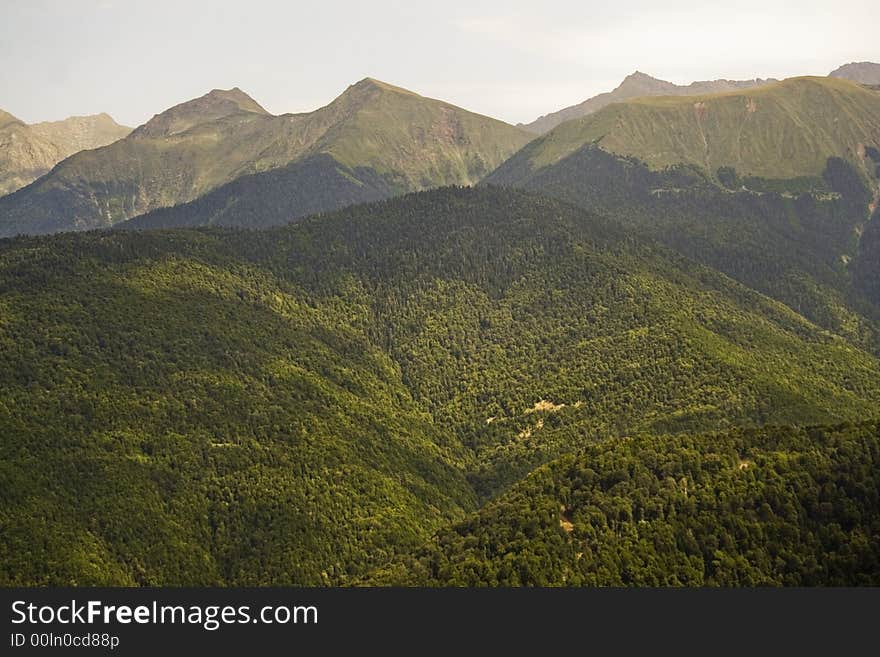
(508, 59)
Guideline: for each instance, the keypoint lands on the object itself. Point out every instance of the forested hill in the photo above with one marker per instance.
(305, 404)
(774, 506)
(803, 249)
(30, 151)
(774, 186)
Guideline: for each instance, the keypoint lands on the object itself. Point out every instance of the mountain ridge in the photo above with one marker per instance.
(861, 72)
(216, 104)
(711, 131)
(408, 141)
(28, 152)
(635, 85)
(7, 118)
(79, 133)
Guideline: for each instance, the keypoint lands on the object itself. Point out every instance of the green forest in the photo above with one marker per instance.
(365, 396)
(522, 316)
(793, 247)
(778, 506)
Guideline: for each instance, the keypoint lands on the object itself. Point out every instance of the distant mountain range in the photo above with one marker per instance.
(637, 85)
(30, 151)
(861, 72)
(223, 159)
(373, 141)
(305, 404)
(785, 130)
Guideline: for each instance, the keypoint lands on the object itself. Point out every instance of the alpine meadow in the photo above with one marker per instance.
(382, 340)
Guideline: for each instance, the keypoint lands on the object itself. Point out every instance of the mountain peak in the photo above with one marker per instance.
(81, 119)
(638, 75)
(379, 85)
(236, 96)
(861, 72)
(34, 149)
(642, 83)
(6, 118)
(636, 85)
(216, 104)
(368, 81)
(366, 91)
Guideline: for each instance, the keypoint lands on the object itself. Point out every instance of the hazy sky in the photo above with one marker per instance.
(509, 59)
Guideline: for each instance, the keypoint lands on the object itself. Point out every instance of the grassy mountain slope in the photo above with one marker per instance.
(775, 506)
(785, 130)
(637, 85)
(147, 169)
(418, 142)
(29, 151)
(402, 140)
(304, 404)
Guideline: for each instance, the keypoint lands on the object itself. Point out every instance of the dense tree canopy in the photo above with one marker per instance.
(774, 506)
(306, 404)
(795, 247)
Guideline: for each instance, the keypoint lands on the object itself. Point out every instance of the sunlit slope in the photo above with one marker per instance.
(406, 141)
(637, 85)
(786, 130)
(30, 151)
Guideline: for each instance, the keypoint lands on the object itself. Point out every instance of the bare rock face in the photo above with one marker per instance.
(861, 72)
(30, 151)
